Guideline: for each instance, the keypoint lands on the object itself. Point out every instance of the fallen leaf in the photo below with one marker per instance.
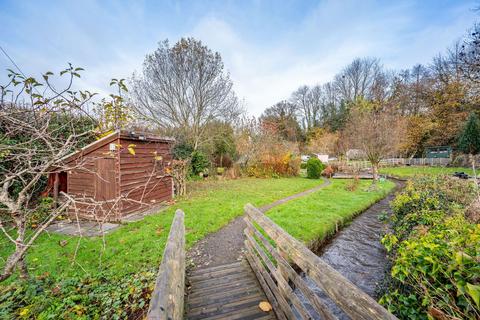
(56, 290)
(63, 243)
(265, 306)
(131, 149)
(159, 231)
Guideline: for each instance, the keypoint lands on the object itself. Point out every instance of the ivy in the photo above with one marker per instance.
(100, 296)
(435, 252)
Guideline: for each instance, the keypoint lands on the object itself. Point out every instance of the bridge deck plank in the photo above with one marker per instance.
(225, 292)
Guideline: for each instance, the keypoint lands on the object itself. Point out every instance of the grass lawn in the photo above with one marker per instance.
(210, 206)
(411, 171)
(313, 217)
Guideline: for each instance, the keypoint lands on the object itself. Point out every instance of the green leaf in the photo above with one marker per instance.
(474, 292)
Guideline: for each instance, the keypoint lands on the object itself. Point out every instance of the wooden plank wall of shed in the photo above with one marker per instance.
(140, 177)
(81, 182)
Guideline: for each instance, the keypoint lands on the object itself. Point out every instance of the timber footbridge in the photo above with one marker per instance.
(279, 279)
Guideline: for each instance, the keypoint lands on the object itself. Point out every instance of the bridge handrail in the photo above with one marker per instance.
(168, 295)
(272, 263)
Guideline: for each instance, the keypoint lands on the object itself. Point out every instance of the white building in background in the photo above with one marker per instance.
(322, 157)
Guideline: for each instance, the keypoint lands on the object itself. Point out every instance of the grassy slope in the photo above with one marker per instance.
(210, 206)
(313, 217)
(408, 172)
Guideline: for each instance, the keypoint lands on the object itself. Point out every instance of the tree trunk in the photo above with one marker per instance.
(375, 172)
(22, 267)
(56, 183)
(12, 261)
(472, 160)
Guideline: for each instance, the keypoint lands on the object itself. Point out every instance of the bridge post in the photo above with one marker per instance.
(168, 295)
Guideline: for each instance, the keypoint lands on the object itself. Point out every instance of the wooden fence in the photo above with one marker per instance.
(272, 252)
(168, 295)
(357, 165)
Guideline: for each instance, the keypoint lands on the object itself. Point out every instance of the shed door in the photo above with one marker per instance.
(105, 179)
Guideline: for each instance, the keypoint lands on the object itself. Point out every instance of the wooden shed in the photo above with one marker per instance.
(122, 173)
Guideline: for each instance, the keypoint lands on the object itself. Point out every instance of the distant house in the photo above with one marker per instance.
(122, 173)
(322, 157)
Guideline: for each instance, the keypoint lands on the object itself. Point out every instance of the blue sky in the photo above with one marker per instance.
(269, 47)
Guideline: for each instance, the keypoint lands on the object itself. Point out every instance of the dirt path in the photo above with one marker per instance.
(226, 245)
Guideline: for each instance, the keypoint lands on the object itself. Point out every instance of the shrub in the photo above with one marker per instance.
(100, 296)
(328, 172)
(434, 251)
(42, 212)
(303, 165)
(314, 168)
(353, 184)
(199, 162)
(286, 165)
(182, 151)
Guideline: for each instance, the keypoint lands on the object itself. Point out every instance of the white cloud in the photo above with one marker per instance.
(265, 65)
(320, 45)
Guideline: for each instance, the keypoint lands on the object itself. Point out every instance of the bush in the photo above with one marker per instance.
(328, 172)
(42, 212)
(100, 296)
(287, 165)
(199, 162)
(353, 184)
(182, 151)
(434, 251)
(314, 168)
(303, 165)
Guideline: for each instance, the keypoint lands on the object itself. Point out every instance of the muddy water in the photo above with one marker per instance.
(356, 252)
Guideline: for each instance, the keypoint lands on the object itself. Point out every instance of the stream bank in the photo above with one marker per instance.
(357, 253)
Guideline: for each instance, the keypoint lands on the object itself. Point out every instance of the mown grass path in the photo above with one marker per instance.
(226, 245)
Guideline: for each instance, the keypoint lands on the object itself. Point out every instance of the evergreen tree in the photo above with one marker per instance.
(469, 141)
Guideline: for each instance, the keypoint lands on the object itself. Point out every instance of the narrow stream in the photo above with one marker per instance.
(356, 252)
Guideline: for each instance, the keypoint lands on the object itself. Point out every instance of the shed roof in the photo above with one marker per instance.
(118, 134)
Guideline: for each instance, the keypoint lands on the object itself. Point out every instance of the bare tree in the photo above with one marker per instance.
(376, 131)
(309, 101)
(469, 55)
(34, 136)
(184, 87)
(40, 127)
(363, 78)
(410, 89)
